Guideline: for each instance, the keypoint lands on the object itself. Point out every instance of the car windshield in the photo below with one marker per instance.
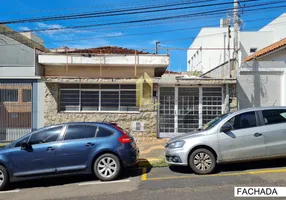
(215, 121)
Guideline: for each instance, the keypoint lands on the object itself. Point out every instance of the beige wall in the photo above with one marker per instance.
(53, 116)
(94, 71)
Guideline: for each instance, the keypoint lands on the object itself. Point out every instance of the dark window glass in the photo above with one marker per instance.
(130, 86)
(69, 100)
(110, 100)
(245, 120)
(89, 86)
(70, 86)
(18, 144)
(89, 100)
(45, 136)
(128, 101)
(252, 50)
(102, 132)
(274, 116)
(8, 95)
(109, 86)
(80, 132)
(26, 95)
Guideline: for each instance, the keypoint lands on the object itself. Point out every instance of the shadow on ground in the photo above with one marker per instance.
(234, 167)
(75, 179)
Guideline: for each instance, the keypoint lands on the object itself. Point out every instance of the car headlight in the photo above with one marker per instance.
(177, 144)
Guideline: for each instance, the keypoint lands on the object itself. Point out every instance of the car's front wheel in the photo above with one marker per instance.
(202, 161)
(107, 167)
(4, 180)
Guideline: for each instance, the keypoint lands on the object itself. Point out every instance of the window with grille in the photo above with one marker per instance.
(8, 95)
(212, 103)
(98, 97)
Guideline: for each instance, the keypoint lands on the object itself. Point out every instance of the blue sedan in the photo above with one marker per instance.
(103, 149)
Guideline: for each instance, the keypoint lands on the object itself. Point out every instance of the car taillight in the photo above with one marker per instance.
(124, 138)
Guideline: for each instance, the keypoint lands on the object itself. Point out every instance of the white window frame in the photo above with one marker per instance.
(99, 101)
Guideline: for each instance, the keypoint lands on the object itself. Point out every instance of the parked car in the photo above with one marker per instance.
(249, 134)
(102, 149)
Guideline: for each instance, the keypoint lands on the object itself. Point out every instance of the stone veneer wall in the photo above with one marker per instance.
(124, 119)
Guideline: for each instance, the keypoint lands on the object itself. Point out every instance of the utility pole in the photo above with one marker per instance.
(157, 46)
(236, 27)
(228, 48)
(228, 73)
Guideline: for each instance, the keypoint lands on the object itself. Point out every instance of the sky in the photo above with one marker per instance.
(140, 36)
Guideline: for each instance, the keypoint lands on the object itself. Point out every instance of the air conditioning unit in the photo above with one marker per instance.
(137, 126)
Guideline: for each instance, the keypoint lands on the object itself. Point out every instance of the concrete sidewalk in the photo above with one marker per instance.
(152, 152)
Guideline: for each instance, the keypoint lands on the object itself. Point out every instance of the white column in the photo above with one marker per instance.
(283, 88)
(176, 109)
(200, 106)
(226, 98)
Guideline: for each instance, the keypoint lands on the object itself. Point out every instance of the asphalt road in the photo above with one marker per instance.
(156, 183)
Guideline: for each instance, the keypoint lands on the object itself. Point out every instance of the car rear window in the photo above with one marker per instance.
(275, 116)
(80, 132)
(103, 132)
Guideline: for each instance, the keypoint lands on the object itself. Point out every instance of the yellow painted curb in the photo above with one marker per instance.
(221, 175)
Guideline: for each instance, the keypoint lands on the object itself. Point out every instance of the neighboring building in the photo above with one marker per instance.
(262, 80)
(21, 90)
(209, 49)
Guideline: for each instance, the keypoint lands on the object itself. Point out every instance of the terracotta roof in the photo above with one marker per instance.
(108, 50)
(267, 49)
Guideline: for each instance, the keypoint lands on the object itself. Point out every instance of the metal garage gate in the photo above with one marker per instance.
(183, 109)
(15, 110)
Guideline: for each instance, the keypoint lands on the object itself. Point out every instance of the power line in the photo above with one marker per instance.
(129, 4)
(117, 12)
(156, 32)
(164, 22)
(144, 20)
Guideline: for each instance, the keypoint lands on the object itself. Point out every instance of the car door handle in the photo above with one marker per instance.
(257, 134)
(89, 144)
(50, 149)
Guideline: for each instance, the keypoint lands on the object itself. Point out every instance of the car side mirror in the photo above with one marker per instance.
(25, 145)
(226, 128)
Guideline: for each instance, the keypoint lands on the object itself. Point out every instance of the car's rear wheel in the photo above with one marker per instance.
(202, 161)
(4, 179)
(107, 167)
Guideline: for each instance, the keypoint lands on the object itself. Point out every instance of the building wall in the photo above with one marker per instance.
(94, 71)
(262, 82)
(277, 56)
(277, 26)
(16, 59)
(257, 40)
(214, 37)
(124, 119)
(205, 60)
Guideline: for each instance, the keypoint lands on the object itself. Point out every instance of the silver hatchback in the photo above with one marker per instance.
(249, 134)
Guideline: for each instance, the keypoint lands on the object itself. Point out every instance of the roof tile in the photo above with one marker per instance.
(266, 50)
(108, 50)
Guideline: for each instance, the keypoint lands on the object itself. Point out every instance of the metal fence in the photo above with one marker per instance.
(180, 111)
(15, 110)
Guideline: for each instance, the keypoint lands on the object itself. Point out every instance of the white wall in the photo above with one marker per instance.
(278, 27)
(16, 59)
(204, 60)
(148, 60)
(257, 40)
(208, 59)
(277, 56)
(263, 82)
